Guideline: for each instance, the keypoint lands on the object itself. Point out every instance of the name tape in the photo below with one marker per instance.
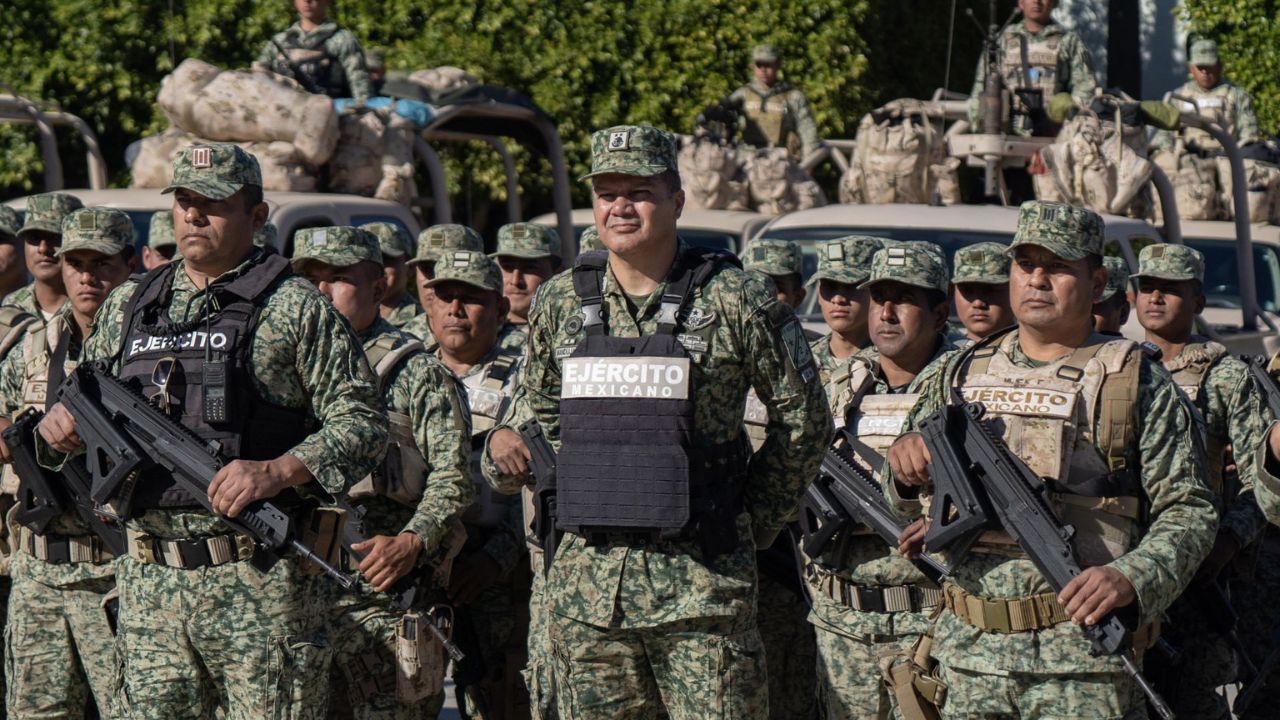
(1038, 402)
(194, 340)
(641, 377)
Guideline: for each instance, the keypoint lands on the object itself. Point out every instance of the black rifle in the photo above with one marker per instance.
(44, 494)
(542, 465)
(305, 80)
(1258, 371)
(116, 423)
(1017, 498)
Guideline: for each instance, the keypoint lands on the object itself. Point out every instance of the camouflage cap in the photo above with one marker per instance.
(1069, 232)
(375, 59)
(765, 54)
(335, 246)
(986, 263)
(265, 236)
(1204, 52)
(589, 240)
(100, 229)
(632, 150)
(160, 230)
(914, 263)
(440, 239)
(470, 267)
(527, 240)
(1170, 262)
(1117, 276)
(773, 257)
(846, 259)
(9, 222)
(393, 240)
(45, 212)
(215, 171)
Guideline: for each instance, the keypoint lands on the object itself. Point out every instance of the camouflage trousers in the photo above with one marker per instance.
(491, 631)
(1087, 696)
(1190, 685)
(1255, 601)
(704, 668)
(59, 649)
(790, 650)
(849, 678)
(537, 672)
(251, 642)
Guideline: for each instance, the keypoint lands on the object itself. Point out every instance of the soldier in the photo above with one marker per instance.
(13, 263)
(60, 651)
(777, 114)
(161, 245)
(589, 240)
(1170, 295)
(1008, 645)
(528, 254)
(432, 243)
(203, 627)
(490, 583)
(1213, 97)
(398, 305)
(868, 601)
(324, 58)
(375, 63)
(783, 262)
(843, 265)
(1040, 50)
(41, 233)
(650, 608)
(1111, 311)
(980, 289)
(409, 504)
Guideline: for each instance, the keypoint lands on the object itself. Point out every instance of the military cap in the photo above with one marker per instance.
(1204, 52)
(527, 240)
(632, 150)
(1069, 232)
(765, 54)
(375, 59)
(986, 263)
(846, 259)
(1117, 276)
(439, 239)
(215, 171)
(773, 257)
(101, 229)
(45, 212)
(393, 240)
(9, 222)
(265, 236)
(589, 240)
(335, 246)
(160, 230)
(914, 263)
(1170, 262)
(470, 267)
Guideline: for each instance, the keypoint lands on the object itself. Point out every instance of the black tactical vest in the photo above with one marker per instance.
(252, 428)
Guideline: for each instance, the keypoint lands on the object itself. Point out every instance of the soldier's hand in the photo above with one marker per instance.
(909, 459)
(242, 482)
(5, 456)
(472, 574)
(58, 428)
(388, 558)
(509, 452)
(1096, 592)
(911, 541)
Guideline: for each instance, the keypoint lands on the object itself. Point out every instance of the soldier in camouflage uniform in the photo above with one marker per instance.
(322, 57)
(203, 628)
(1008, 646)
(641, 621)
(776, 113)
(434, 242)
(398, 305)
(783, 262)
(980, 289)
(1214, 98)
(59, 648)
(528, 254)
(1233, 413)
(843, 265)
(13, 264)
(161, 244)
(41, 234)
(1111, 311)
(868, 601)
(267, 238)
(589, 240)
(409, 504)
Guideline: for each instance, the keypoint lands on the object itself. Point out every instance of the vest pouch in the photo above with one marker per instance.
(322, 532)
(402, 475)
(623, 487)
(419, 659)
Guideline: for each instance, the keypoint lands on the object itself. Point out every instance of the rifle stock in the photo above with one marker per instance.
(542, 465)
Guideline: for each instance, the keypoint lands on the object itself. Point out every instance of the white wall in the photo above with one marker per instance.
(1163, 38)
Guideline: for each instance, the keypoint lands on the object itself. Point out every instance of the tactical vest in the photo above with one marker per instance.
(402, 475)
(254, 429)
(14, 323)
(318, 66)
(1042, 63)
(1189, 371)
(1215, 105)
(39, 345)
(1046, 416)
(488, 394)
(769, 121)
(627, 462)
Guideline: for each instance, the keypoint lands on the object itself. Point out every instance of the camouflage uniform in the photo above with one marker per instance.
(984, 263)
(230, 634)
(160, 230)
(1117, 277)
(1227, 105)
(9, 223)
(777, 116)
(638, 626)
(589, 240)
(330, 58)
(434, 242)
(267, 237)
(1039, 665)
(44, 213)
(59, 647)
(861, 567)
(528, 241)
(394, 242)
(428, 420)
(844, 260)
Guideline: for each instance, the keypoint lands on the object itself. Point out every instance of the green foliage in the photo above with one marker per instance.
(1248, 33)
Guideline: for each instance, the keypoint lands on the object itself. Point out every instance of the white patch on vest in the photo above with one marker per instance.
(658, 378)
(867, 425)
(484, 402)
(1209, 103)
(196, 339)
(755, 413)
(1009, 400)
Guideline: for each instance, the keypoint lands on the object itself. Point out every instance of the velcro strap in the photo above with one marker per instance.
(1125, 507)
(190, 553)
(64, 549)
(1034, 612)
(879, 599)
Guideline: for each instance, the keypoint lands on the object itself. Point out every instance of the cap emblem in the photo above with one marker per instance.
(202, 157)
(620, 140)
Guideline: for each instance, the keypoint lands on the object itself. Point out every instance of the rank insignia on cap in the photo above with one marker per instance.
(1157, 252)
(519, 231)
(620, 140)
(201, 157)
(897, 256)
(835, 251)
(1048, 213)
(320, 238)
(461, 259)
(88, 221)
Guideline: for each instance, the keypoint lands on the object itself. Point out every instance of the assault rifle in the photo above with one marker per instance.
(1258, 371)
(306, 81)
(542, 465)
(968, 463)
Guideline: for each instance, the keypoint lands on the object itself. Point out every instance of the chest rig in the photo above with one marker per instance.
(1041, 63)
(1214, 105)
(628, 465)
(488, 395)
(209, 387)
(316, 63)
(1189, 370)
(402, 474)
(768, 119)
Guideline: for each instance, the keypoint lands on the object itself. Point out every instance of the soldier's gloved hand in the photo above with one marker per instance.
(508, 451)
(472, 574)
(242, 482)
(388, 558)
(1096, 592)
(911, 541)
(909, 459)
(58, 428)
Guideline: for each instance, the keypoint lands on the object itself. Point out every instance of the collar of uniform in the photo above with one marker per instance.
(1053, 28)
(183, 282)
(613, 289)
(371, 334)
(325, 28)
(481, 365)
(778, 88)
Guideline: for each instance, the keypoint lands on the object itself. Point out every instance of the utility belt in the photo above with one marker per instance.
(1004, 615)
(189, 553)
(63, 549)
(876, 598)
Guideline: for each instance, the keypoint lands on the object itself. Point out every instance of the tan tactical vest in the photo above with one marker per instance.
(403, 473)
(1046, 415)
(37, 348)
(1042, 63)
(876, 420)
(1213, 104)
(768, 119)
(1189, 370)
(488, 394)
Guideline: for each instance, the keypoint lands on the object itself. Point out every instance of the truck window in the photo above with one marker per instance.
(1222, 279)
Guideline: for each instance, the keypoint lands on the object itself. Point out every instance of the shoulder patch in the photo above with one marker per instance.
(697, 318)
(573, 325)
(789, 330)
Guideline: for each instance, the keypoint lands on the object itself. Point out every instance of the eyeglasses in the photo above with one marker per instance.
(160, 377)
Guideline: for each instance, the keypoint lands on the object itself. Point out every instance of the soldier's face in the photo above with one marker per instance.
(1051, 295)
(1111, 315)
(521, 277)
(790, 289)
(635, 214)
(766, 73)
(1206, 76)
(844, 307)
(13, 261)
(900, 320)
(397, 275)
(215, 234)
(466, 319)
(90, 276)
(1168, 308)
(39, 248)
(354, 290)
(424, 273)
(312, 10)
(983, 308)
(1038, 11)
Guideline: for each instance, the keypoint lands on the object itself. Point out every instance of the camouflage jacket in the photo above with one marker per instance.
(1072, 72)
(329, 56)
(514, 336)
(784, 100)
(25, 298)
(1228, 105)
(825, 361)
(405, 310)
(740, 347)
(419, 327)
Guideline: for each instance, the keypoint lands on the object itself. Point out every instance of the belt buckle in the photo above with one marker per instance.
(144, 549)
